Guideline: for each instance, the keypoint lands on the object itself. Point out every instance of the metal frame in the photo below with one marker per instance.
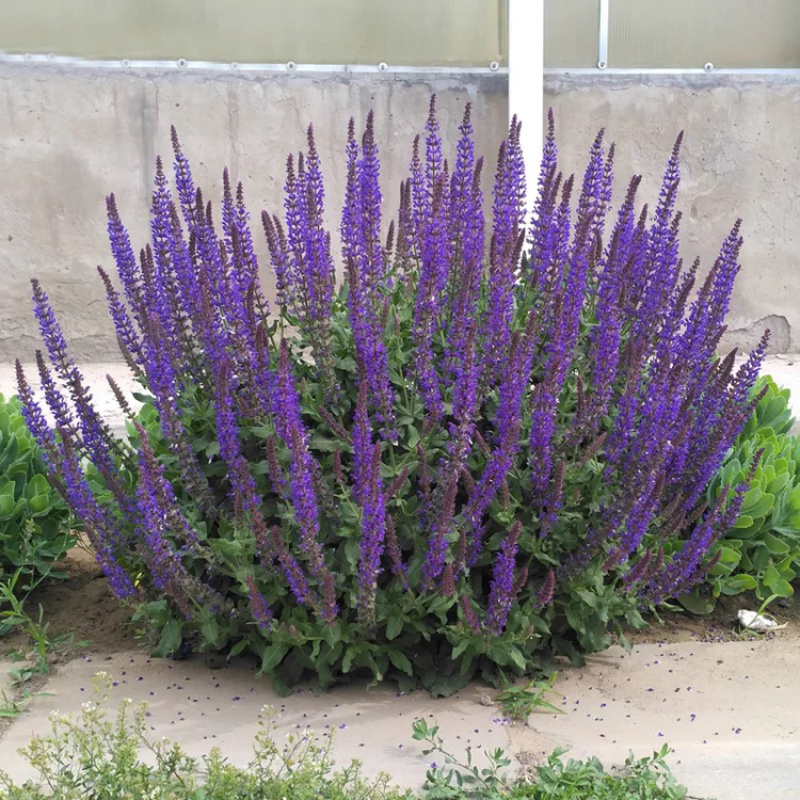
(602, 36)
(234, 67)
(389, 70)
(666, 71)
(525, 71)
(526, 77)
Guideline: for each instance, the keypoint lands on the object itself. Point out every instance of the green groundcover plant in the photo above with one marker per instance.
(97, 757)
(761, 551)
(34, 531)
(472, 452)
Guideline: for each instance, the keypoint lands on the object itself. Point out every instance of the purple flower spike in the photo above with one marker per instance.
(501, 596)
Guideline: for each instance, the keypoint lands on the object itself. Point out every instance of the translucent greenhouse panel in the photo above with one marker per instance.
(570, 33)
(691, 33)
(409, 33)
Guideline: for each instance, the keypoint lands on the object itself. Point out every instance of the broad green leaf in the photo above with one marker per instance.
(39, 504)
(170, 640)
(273, 655)
(697, 602)
(759, 558)
(780, 587)
(517, 659)
(459, 648)
(729, 556)
(237, 648)
(393, 627)
(778, 483)
(37, 486)
(400, 661)
(736, 584)
(775, 545)
(211, 632)
(761, 507)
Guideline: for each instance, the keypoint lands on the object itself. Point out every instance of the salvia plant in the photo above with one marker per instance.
(466, 454)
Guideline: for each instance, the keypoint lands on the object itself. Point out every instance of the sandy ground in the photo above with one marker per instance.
(204, 707)
(730, 711)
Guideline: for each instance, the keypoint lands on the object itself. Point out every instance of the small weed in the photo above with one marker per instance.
(23, 675)
(14, 617)
(100, 757)
(462, 776)
(12, 707)
(644, 779)
(518, 702)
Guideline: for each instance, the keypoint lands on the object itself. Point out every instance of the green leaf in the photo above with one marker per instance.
(231, 549)
(211, 632)
(394, 627)
(37, 486)
(39, 504)
(736, 584)
(459, 648)
(237, 648)
(729, 556)
(775, 545)
(445, 685)
(591, 599)
(332, 634)
(352, 552)
(780, 587)
(778, 483)
(170, 640)
(6, 505)
(634, 618)
(760, 508)
(347, 661)
(145, 399)
(697, 602)
(400, 661)
(498, 652)
(517, 659)
(594, 637)
(323, 444)
(273, 655)
(759, 558)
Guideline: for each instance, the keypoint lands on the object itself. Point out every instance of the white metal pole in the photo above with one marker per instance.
(526, 79)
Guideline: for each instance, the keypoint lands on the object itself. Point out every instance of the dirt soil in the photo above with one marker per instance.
(721, 625)
(82, 608)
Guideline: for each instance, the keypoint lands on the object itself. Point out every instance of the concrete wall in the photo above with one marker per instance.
(69, 136)
(741, 158)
